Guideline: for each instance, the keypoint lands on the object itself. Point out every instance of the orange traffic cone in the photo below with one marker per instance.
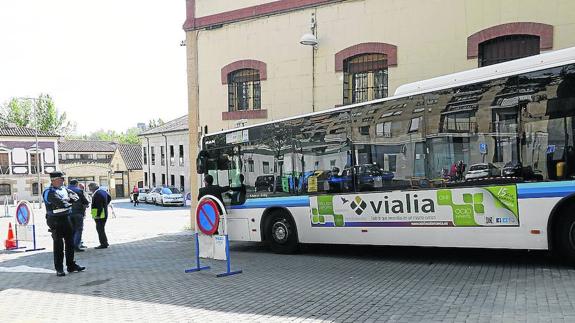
(10, 243)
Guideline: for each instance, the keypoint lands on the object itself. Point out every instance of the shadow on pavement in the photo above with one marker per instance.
(152, 270)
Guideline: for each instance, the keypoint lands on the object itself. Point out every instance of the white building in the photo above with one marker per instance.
(22, 163)
(165, 155)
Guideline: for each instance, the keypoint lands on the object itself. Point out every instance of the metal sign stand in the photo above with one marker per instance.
(23, 214)
(203, 201)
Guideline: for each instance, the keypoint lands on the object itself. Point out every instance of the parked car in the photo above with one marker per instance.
(367, 177)
(265, 183)
(142, 193)
(482, 170)
(165, 196)
(152, 194)
(516, 169)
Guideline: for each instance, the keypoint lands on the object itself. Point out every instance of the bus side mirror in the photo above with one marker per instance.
(202, 162)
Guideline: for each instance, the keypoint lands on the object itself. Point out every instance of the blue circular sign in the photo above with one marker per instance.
(208, 217)
(22, 214)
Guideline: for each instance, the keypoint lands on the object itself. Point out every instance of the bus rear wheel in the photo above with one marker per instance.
(565, 234)
(282, 233)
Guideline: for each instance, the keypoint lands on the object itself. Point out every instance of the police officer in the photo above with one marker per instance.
(78, 212)
(58, 202)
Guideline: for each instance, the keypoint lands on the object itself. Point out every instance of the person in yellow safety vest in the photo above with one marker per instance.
(100, 201)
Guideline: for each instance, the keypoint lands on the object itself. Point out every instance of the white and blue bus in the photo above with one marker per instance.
(478, 159)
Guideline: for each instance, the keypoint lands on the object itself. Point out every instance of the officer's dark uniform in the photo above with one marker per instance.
(58, 209)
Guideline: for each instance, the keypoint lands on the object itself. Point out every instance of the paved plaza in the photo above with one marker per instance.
(141, 278)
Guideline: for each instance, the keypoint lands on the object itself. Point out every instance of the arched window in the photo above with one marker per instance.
(244, 91)
(507, 48)
(365, 78)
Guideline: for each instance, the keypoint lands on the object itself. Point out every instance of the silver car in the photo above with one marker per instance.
(482, 170)
(165, 196)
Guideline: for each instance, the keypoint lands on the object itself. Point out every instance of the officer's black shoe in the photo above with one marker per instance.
(101, 247)
(76, 268)
(60, 273)
(79, 250)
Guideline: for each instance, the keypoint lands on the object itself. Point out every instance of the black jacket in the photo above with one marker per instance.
(81, 204)
(100, 201)
(214, 190)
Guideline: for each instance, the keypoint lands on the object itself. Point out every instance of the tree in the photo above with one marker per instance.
(155, 123)
(20, 111)
(128, 137)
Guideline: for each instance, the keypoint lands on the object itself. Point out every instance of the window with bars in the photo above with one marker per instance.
(244, 90)
(365, 78)
(507, 48)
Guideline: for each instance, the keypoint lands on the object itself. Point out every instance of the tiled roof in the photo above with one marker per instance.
(86, 146)
(131, 156)
(179, 124)
(10, 131)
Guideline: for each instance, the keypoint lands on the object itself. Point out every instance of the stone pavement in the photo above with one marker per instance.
(141, 278)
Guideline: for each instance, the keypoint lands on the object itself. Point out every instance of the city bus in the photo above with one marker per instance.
(478, 159)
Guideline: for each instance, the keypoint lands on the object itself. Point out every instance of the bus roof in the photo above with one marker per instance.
(523, 65)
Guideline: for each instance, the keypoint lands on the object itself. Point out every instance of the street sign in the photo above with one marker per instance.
(23, 213)
(483, 148)
(208, 217)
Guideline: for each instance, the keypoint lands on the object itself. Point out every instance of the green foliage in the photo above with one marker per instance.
(128, 137)
(155, 123)
(20, 111)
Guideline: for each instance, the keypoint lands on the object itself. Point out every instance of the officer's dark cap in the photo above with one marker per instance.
(74, 182)
(56, 174)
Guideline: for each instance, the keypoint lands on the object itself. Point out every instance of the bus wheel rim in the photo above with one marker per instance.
(280, 232)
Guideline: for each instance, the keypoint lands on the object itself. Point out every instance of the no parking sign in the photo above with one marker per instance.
(207, 217)
(23, 213)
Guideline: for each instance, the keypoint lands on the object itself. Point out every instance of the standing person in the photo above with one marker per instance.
(211, 189)
(78, 212)
(100, 201)
(58, 201)
(135, 194)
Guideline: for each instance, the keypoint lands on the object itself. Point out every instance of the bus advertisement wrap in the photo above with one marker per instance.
(460, 207)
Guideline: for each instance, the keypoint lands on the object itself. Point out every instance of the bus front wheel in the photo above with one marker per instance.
(565, 233)
(282, 233)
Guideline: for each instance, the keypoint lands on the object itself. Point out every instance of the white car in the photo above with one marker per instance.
(142, 193)
(165, 196)
(482, 170)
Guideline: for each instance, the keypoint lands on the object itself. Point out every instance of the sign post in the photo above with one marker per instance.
(208, 243)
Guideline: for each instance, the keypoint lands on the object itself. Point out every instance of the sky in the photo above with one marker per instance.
(108, 64)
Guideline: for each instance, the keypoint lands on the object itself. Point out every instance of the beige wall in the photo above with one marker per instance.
(431, 37)
(86, 170)
(129, 177)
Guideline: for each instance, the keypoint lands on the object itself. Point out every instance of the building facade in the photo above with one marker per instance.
(126, 170)
(252, 68)
(86, 160)
(22, 162)
(165, 155)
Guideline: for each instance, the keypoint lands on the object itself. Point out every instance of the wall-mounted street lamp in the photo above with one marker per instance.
(310, 39)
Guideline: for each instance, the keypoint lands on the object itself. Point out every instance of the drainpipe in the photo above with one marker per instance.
(148, 161)
(166, 150)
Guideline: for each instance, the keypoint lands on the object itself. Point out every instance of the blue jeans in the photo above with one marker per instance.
(78, 226)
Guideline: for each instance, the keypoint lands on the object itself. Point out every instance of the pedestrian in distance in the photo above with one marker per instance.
(58, 200)
(79, 207)
(135, 194)
(100, 201)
